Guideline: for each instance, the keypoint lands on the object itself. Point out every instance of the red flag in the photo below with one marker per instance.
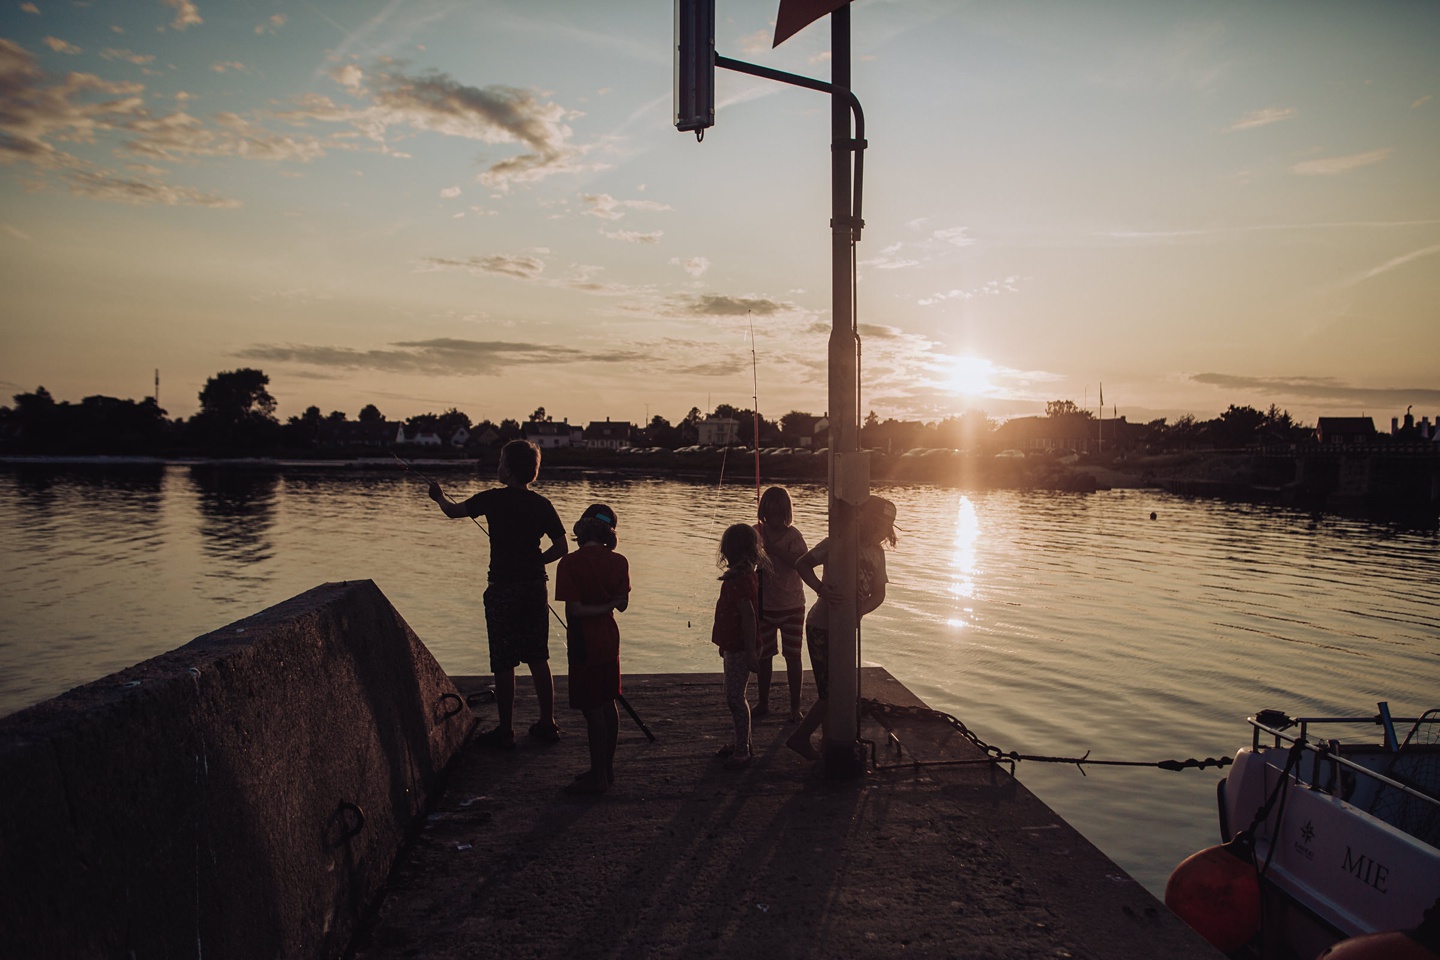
(796, 15)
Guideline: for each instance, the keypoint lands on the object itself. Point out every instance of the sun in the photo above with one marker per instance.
(969, 376)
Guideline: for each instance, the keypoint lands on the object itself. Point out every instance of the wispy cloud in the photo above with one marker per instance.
(1321, 388)
(1263, 117)
(271, 25)
(990, 288)
(61, 46)
(1395, 262)
(606, 207)
(1331, 166)
(500, 264)
(633, 236)
(1421, 102)
(139, 59)
(694, 266)
(186, 14)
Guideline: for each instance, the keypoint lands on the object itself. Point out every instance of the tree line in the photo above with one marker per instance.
(237, 418)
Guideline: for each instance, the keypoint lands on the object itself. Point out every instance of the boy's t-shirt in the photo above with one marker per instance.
(593, 574)
(518, 519)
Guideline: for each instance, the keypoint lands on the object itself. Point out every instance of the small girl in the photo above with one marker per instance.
(782, 598)
(735, 631)
(876, 526)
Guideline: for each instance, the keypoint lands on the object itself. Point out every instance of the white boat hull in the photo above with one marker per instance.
(1354, 872)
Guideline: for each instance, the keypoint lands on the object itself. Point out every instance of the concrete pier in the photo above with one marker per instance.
(685, 859)
(303, 784)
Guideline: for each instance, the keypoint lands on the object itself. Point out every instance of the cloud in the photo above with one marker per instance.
(1261, 118)
(179, 136)
(30, 8)
(139, 59)
(1421, 102)
(1395, 262)
(433, 102)
(500, 264)
(990, 288)
(186, 15)
(105, 186)
(717, 305)
(695, 266)
(1321, 388)
(227, 66)
(61, 46)
(956, 236)
(438, 357)
(1336, 165)
(450, 193)
(606, 207)
(633, 236)
(36, 113)
(271, 26)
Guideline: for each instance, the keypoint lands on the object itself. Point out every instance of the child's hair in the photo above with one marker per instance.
(522, 459)
(739, 547)
(880, 510)
(596, 525)
(775, 505)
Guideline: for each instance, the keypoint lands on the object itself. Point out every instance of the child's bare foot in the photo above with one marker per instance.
(796, 716)
(801, 745)
(760, 710)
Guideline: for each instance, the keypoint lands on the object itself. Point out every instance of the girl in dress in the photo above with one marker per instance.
(734, 632)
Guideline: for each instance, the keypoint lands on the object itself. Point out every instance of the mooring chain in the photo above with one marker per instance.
(881, 710)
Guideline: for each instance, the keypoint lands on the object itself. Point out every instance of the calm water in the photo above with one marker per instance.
(1050, 623)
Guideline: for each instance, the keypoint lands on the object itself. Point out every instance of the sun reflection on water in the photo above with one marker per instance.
(962, 560)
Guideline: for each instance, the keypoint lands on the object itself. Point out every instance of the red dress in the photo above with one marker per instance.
(593, 574)
(735, 588)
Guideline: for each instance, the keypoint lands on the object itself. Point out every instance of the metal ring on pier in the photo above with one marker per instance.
(347, 807)
(459, 705)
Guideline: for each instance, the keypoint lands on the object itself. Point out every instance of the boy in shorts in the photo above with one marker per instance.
(517, 608)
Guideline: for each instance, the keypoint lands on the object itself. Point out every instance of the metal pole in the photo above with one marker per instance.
(841, 752)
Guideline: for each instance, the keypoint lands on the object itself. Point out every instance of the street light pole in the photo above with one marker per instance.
(849, 467)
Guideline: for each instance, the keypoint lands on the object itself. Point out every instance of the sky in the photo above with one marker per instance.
(427, 204)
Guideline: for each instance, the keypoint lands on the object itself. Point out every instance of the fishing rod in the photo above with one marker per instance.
(563, 625)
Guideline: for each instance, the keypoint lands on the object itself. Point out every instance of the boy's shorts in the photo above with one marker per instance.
(789, 624)
(517, 618)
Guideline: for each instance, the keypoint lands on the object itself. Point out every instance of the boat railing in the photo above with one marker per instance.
(1327, 752)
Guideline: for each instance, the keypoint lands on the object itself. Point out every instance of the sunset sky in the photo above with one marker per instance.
(425, 204)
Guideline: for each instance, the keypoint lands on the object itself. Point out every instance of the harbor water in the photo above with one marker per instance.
(1129, 623)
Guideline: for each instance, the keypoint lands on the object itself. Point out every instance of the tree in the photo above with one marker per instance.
(1237, 426)
(539, 414)
(336, 416)
(371, 414)
(510, 430)
(236, 410)
(1066, 408)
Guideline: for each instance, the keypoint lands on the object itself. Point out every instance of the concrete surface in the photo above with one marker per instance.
(191, 805)
(685, 859)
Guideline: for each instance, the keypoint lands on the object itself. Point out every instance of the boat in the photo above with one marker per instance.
(1340, 833)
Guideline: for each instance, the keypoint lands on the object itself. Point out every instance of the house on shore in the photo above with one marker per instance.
(719, 431)
(609, 434)
(1066, 435)
(548, 435)
(1345, 431)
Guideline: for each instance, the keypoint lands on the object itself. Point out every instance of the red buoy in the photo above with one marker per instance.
(1390, 945)
(1216, 892)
